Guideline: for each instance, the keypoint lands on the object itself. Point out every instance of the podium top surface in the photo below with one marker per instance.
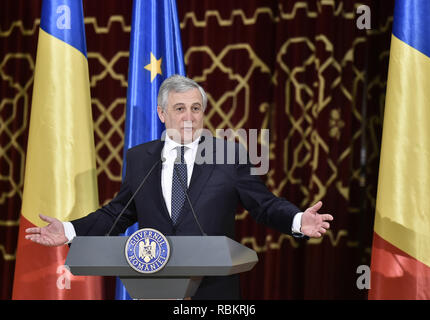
(190, 256)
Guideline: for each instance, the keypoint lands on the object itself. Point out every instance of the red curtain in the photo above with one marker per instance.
(302, 69)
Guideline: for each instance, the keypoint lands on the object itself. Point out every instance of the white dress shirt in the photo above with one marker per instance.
(170, 153)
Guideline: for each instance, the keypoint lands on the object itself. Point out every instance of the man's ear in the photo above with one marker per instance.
(161, 114)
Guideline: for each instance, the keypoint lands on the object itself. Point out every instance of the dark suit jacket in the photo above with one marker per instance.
(215, 191)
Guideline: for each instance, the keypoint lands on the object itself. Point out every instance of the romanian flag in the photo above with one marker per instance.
(155, 54)
(400, 267)
(60, 173)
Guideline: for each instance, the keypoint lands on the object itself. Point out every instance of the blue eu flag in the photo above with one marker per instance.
(155, 54)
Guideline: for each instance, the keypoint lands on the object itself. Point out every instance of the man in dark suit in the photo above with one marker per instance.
(215, 187)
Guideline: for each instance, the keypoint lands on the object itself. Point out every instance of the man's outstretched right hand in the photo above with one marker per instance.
(51, 235)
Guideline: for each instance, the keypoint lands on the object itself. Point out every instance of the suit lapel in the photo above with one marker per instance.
(154, 152)
(201, 175)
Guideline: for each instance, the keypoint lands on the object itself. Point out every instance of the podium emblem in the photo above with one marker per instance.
(147, 250)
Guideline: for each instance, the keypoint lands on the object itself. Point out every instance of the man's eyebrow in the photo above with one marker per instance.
(179, 104)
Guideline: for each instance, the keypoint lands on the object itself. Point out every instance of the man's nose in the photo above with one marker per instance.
(188, 116)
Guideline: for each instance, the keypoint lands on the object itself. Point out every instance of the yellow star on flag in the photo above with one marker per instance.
(154, 66)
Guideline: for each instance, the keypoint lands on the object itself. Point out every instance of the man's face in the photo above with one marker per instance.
(183, 115)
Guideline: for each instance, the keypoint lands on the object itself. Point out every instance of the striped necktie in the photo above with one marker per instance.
(179, 184)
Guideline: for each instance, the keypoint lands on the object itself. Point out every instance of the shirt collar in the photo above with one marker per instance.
(170, 144)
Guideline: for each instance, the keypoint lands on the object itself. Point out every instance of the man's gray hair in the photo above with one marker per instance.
(178, 83)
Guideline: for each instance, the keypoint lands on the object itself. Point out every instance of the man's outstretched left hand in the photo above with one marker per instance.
(314, 225)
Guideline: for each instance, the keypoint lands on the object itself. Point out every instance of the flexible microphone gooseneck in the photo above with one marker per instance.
(185, 189)
(134, 194)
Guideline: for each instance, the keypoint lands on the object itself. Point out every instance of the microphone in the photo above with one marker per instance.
(185, 189)
(162, 159)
